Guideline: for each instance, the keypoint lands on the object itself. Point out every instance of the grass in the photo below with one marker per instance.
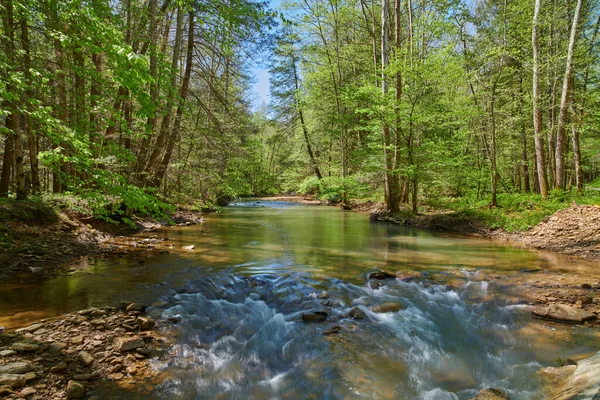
(515, 212)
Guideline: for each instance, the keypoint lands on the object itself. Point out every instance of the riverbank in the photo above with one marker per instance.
(72, 355)
(39, 238)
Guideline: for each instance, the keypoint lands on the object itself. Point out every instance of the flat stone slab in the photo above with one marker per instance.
(583, 383)
(13, 380)
(563, 313)
(18, 367)
(126, 343)
(24, 347)
(491, 394)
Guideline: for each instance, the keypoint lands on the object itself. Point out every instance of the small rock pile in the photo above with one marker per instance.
(574, 230)
(69, 356)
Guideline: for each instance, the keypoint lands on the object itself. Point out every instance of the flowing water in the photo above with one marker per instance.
(257, 267)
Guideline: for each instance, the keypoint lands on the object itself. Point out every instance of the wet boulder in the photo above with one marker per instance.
(491, 394)
(356, 313)
(381, 275)
(557, 374)
(317, 316)
(563, 313)
(387, 307)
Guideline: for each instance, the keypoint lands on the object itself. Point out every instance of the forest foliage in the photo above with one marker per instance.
(134, 104)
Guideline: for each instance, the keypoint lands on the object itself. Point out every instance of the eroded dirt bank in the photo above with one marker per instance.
(37, 240)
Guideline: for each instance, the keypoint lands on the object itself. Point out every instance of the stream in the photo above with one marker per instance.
(258, 266)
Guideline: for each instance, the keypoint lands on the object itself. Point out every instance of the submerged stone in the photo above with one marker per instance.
(491, 394)
(387, 307)
(563, 313)
(356, 313)
(317, 316)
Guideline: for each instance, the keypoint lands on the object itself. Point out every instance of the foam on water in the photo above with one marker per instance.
(242, 337)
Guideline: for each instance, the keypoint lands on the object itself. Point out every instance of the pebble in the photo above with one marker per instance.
(85, 358)
(75, 390)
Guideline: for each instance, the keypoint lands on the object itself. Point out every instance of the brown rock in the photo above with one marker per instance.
(5, 390)
(85, 358)
(491, 394)
(563, 313)
(58, 367)
(75, 390)
(18, 367)
(126, 343)
(388, 307)
(27, 392)
(356, 313)
(13, 380)
(382, 275)
(556, 375)
(317, 316)
(145, 323)
(24, 347)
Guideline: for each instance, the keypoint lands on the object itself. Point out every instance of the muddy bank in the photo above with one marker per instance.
(36, 239)
(71, 356)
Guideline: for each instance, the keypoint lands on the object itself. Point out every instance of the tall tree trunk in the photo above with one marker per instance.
(144, 149)
(537, 112)
(391, 198)
(8, 160)
(311, 155)
(13, 123)
(561, 138)
(175, 133)
(161, 139)
(31, 139)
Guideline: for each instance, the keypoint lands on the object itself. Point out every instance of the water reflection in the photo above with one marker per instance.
(241, 290)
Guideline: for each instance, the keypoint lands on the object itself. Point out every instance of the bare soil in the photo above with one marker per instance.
(38, 240)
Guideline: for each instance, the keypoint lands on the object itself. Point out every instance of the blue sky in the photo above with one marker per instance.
(261, 87)
(261, 74)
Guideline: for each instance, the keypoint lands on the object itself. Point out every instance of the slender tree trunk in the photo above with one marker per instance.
(8, 161)
(31, 139)
(162, 168)
(311, 155)
(390, 192)
(524, 156)
(537, 112)
(13, 123)
(161, 139)
(144, 149)
(561, 138)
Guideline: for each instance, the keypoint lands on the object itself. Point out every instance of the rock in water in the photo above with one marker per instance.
(145, 323)
(583, 383)
(563, 313)
(557, 374)
(382, 275)
(75, 390)
(317, 316)
(491, 394)
(356, 313)
(190, 247)
(388, 307)
(126, 343)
